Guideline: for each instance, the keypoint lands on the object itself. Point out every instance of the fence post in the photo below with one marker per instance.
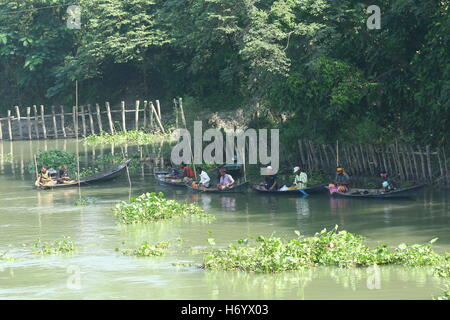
(44, 128)
(19, 122)
(158, 105)
(145, 114)
(99, 117)
(9, 125)
(91, 119)
(55, 127)
(63, 126)
(111, 124)
(36, 121)
(29, 123)
(137, 114)
(124, 124)
(83, 120)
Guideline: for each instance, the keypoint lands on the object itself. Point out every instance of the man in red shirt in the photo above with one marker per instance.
(187, 174)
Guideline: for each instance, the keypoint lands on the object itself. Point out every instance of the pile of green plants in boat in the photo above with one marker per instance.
(66, 245)
(326, 248)
(54, 159)
(151, 207)
(148, 250)
(136, 137)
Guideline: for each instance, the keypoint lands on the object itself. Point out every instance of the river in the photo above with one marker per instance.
(99, 271)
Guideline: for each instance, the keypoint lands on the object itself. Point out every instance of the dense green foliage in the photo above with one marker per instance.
(54, 159)
(311, 67)
(148, 250)
(151, 207)
(57, 247)
(132, 137)
(326, 248)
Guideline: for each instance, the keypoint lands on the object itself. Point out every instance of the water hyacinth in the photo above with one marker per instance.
(57, 247)
(326, 248)
(151, 207)
(148, 250)
(137, 137)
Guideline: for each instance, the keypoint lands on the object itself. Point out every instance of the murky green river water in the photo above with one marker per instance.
(27, 215)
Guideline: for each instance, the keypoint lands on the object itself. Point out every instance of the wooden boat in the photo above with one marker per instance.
(318, 188)
(236, 189)
(167, 180)
(380, 194)
(98, 177)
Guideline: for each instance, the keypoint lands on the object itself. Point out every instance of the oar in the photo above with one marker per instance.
(303, 191)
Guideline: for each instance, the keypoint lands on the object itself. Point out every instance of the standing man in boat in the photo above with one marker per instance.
(204, 178)
(226, 181)
(188, 175)
(301, 178)
(342, 180)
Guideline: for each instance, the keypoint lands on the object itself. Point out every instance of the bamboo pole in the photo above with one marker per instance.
(158, 105)
(9, 125)
(19, 123)
(55, 128)
(176, 113)
(99, 117)
(91, 119)
(136, 124)
(36, 121)
(430, 172)
(63, 125)
(124, 124)
(83, 121)
(44, 128)
(145, 113)
(110, 121)
(158, 120)
(1, 130)
(30, 136)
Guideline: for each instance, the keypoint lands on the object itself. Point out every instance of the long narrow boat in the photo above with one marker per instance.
(167, 180)
(318, 188)
(98, 177)
(236, 189)
(380, 194)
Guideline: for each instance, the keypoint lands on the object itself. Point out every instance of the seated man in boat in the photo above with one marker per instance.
(387, 184)
(43, 178)
(271, 180)
(187, 174)
(172, 172)
(63, 175)
(301, 178)
(342, 180)
(226, 181)
(204, 178)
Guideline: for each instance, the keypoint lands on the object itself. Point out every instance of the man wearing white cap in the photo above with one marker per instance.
(301, 178)
(270, 179)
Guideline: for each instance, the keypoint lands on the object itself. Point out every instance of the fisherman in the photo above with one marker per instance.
(301, 178)
(43, 177)
(342, 180)
(226, 181)
(271, 180)
(187, 173)
(172, 172)
(204, 178)
(387, 184)
(63, 175)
